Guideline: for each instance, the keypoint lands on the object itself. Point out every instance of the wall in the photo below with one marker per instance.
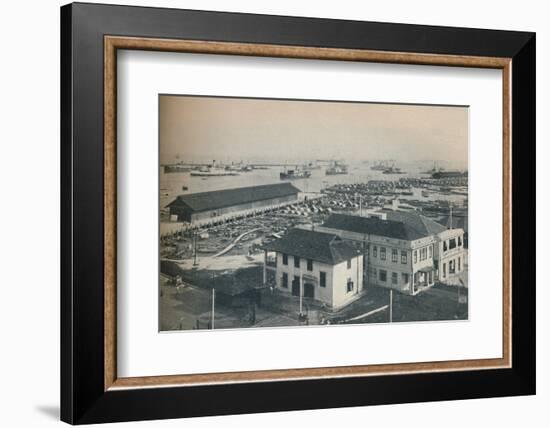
(341, 297)
(335, 293)
(29, 310)
(374, 264)
(445, 256)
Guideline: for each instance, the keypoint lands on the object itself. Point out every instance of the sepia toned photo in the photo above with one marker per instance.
(285, 213)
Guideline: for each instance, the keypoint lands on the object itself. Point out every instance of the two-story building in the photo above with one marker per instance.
(401, 250)
(450, 254)
(315, 265)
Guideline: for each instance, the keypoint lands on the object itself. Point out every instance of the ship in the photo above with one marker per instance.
(448, 174)
(293, 174)
(337, 168)
(207, 171)
(433, 170)
(393, 170)
(176, 167)
(380, 166)
(312, 165)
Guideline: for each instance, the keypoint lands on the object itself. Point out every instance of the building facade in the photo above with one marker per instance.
(221, 205)
(315, 265)
(450, 255)
(402, 251)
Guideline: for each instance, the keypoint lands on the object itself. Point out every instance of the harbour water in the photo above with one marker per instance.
(172, 184)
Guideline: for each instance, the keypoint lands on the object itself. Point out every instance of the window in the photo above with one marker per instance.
(394, 277)
(444, 270)
(349, 264)
(415, 256)
(404, 257)
(460, 241)
(382, 275)
(349, 285)
(452, 264)
(284, 282)
(296, 262)
(430, 249)
(452, 244)
(366, 250)
(382, 253)
(309, 264)
(405, 278)
(375, 251)
(323, 279)
(459, 264)
(394, 256)
(444, 245)
(285, 259)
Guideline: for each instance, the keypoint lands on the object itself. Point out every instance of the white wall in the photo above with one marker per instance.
(29, 244)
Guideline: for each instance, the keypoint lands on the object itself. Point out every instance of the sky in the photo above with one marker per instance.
(203, 129)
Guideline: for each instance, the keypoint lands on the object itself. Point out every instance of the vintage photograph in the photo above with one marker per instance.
(288, 212)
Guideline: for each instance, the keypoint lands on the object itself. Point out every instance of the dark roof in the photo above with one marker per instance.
(373, 226)
(206, 201)
(459, 222)
(318, 246)
(420, 223)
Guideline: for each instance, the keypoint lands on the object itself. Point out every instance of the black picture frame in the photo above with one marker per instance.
(83, 398)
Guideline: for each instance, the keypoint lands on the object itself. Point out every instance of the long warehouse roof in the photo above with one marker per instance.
(206, 201)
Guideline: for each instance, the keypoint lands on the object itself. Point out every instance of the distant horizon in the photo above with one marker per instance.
(203, 129)
(238, 160)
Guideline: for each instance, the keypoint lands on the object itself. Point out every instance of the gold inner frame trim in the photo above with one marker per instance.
(113, 43)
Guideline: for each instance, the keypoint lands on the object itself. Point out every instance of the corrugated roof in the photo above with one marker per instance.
(318, 246)
(206, 201)
(373, 226)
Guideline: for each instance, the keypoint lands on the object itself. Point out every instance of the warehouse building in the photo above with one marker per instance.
(220, 205)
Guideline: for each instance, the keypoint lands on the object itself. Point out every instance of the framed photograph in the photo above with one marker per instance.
(266, 213)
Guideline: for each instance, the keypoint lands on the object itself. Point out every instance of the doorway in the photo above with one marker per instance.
(309, 290)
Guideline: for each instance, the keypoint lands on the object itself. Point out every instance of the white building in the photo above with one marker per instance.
(404, 251)
(315, 265)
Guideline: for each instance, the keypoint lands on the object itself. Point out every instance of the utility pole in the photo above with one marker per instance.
(301, 294)
(195, 263)
(391, 305)
(213, 305)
